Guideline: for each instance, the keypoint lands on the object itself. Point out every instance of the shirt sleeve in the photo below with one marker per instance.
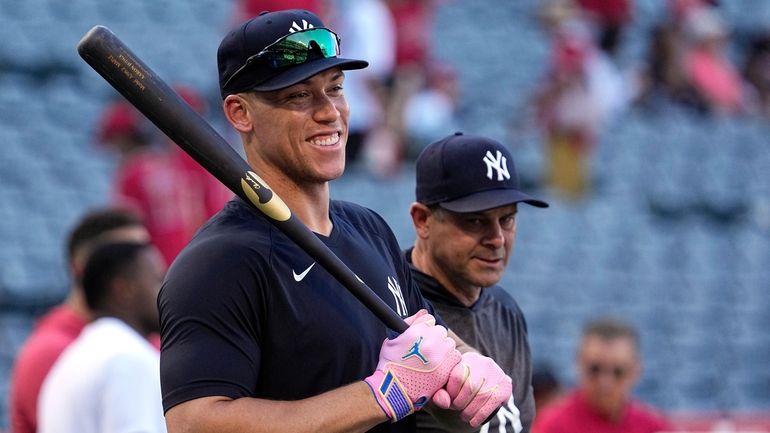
(209, 307)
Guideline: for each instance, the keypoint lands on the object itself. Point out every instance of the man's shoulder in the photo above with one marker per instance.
(236, 244)
(33, 363)
(562, 412)
(54, 332)
(236, 226)
(60, 319)
(42, 350)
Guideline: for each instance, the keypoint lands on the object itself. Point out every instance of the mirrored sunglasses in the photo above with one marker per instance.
(294, 49)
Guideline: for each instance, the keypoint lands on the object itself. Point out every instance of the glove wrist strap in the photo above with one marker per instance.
(390, 395)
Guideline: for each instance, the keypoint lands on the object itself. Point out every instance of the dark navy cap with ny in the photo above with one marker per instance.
(278, 49)
(468, 173)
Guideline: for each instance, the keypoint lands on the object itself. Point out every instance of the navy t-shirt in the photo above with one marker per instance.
(245, 312)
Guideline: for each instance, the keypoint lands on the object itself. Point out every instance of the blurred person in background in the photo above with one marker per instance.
(464, 216)
(120, 129)
(414, 29)
(157, 180)
(60, 326)
(707, 67)
(204, 194)
(608, 366)
(663, 78)
(366, 90)
(596, 26)
(610, 18)
(433, 110)
(143, 181)
(108, 379)
(756, 71)
(568, 112)
(583, 92)
(546, 387)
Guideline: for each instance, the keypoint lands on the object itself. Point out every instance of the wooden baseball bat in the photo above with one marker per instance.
(142, 87)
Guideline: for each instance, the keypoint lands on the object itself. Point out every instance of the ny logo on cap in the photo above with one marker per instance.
(497, 162)
(298, 28)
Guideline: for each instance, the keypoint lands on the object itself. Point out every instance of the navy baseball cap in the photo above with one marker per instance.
(278, 49)
(468, 173)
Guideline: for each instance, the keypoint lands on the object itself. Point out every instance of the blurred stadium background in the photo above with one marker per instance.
(675, 235)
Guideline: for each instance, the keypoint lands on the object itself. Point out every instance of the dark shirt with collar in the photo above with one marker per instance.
(495, 326)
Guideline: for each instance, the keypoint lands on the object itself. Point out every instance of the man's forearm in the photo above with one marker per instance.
(351, 408)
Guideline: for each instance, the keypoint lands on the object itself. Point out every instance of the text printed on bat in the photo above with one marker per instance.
(274, 207)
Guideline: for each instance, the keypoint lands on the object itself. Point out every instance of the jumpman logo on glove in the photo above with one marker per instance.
(415, 351)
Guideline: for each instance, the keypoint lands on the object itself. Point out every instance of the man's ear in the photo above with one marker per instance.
(421, 219)
(236, 109)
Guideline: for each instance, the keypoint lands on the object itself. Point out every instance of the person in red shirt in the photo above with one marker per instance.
(207, 194)
(146, 183)
(59, 327)
(608, 368)
(706, 63)
(172, 193)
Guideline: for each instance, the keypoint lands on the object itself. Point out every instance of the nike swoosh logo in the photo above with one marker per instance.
(300, 277)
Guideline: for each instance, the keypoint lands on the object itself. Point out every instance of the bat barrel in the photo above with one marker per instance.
(142, 87)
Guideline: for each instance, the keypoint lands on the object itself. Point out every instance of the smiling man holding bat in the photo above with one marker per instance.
(255, 337)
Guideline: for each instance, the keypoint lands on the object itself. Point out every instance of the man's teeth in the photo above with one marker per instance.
(327, 141)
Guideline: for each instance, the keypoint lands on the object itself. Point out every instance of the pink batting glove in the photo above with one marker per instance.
(413, 366)
(477, 386)
(421, 316)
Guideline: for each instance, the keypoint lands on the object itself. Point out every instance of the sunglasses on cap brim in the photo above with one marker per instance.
(294, 49)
